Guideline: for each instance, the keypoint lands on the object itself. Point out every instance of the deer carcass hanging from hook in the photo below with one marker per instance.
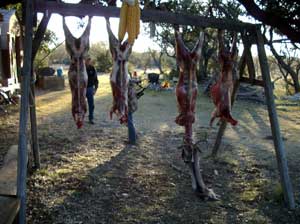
(119, 76)
(186, 93)
(221, 92)
(78, 48)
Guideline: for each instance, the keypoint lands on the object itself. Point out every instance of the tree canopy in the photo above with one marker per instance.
(283, 15)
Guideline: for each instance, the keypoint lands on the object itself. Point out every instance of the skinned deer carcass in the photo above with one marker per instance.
(77, 48)
(119, 77)
(186, 93)
(221, 91)
(187, 88)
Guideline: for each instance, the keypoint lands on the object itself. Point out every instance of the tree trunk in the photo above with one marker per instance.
(295, 79)
(205, 75)
(200, 70)
(157, 61)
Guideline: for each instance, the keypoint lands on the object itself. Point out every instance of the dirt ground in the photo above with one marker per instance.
(91, 176)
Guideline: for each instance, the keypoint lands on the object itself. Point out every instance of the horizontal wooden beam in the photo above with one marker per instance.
(147, 15)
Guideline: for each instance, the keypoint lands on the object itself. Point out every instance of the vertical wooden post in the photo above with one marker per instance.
(242, 64)
(33, 125)
(22, 148)
(250, 65)
(278, 143)
(38, 37)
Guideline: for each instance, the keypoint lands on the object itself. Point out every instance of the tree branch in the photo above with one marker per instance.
(4, 3)
(272, 19)
(39, 34)
(281, 62)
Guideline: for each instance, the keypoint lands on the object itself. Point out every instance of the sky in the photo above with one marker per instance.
(98, 31)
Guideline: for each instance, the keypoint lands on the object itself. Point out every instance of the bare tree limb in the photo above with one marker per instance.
(157, 61)
(39, 34)
(283, 65)
(272, 19)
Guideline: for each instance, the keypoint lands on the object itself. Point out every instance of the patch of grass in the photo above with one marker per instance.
(254, 189)
(43, 172)
(53, 176)
(84, 159)
(277, 193)
(253, 216)
(59, 200)
(249, 194)
(228, 159)
(63, 171)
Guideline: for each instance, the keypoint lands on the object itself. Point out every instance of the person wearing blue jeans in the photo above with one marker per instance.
(132, 107)
(92, 87)
(131, 129)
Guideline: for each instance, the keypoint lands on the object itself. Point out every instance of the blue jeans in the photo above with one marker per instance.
(90, 99)
(131, 129)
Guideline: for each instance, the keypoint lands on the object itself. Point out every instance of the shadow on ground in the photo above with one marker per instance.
(91, 176)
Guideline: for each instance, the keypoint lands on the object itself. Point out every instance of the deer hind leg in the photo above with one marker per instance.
(198, 184)
(214, 114)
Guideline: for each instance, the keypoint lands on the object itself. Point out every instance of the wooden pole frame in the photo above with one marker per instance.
(147, 15)
(25, 86)
(278, 142)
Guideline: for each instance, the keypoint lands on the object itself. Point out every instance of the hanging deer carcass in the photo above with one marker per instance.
(221, 92)
(78, 48)
(186, 93)
(119, 77)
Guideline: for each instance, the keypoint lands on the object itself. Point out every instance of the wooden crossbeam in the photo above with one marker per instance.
(147, 15)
